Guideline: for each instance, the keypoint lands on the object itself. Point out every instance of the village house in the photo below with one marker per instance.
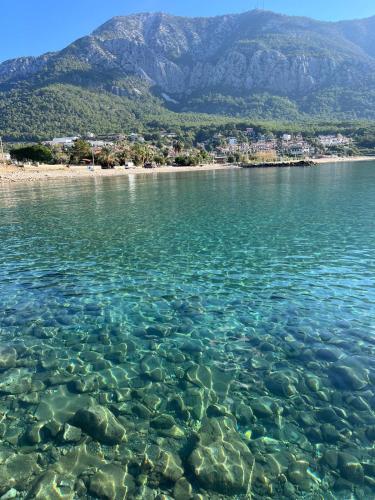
(100, 144)
(136, 138)
(109, 137)
(232, 141)
(301, 150)
(297, 148)
(264, 145)
(329, 141)
(250, 132)
(63, 141)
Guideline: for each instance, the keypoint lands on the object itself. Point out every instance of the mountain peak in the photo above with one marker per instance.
(258, 63)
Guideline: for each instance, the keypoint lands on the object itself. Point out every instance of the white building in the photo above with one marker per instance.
(300, 150)
(63, 141)
(136, 138)
(334, 140)
(100, 144)
(232, 141)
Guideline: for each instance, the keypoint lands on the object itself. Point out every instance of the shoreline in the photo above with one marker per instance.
(342, 159)
(14, 174)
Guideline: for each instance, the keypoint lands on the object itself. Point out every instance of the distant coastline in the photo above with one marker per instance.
(344, 159)
(14, 174)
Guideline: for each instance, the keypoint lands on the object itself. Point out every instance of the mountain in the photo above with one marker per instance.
(149, 67)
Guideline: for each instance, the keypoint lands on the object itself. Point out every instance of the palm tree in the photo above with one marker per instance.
(106, 158)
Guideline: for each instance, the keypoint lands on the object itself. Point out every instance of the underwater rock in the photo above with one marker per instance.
(289, 490)
(16, 381)
(182, 490)
(192, 346)
(175, 356)
(345, 377)
(162, 464)
(243, 414)
(88, 383)
(12, 493)
(328, 354)
(306, 419)
(60, 405)
(17, 471)
(34, 434)
(141, 411)
(200, 375)
(163, 422)
(358, 403)
(280, 385)
(79, 459)
(298, 475)
(51, 485)
(313, 383)
(326, 415)
(262, 407)
(157, 331)
(100, 423)
(344, 488)
(8, 357)
(145, 493)
(196, 401)
(330, 434)
(369, 469)
(350, 468)
(112, 482)
(370, 433)
(216, 410)
(71, 434)
(118, 353)
(177, 405)
(174, 432)
(221, 461)
(331, 458)
(151, 367)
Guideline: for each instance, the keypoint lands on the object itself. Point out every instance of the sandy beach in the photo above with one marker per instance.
(9, 174)
(13, 174)
(340, 159)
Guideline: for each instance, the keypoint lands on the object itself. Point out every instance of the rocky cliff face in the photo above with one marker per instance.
(233, 55)
(256, 51)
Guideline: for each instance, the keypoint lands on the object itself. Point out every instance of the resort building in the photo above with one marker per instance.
(328, 141)
(63, 141)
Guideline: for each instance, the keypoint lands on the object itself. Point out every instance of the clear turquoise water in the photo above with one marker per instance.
(265, 278)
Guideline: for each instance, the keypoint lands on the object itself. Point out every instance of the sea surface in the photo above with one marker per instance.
(203, 335)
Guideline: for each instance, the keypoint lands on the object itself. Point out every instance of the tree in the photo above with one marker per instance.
(106, 158)
(60, 156)
(81, 150)
(178, 147)
(141, 153)
(159, 159)
(37, 152)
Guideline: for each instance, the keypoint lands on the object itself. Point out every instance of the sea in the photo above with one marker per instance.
(189, 335)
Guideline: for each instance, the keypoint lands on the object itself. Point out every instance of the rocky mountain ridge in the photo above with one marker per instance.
(215, 64)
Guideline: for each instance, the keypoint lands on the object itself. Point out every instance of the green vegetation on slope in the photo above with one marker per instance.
(59, 109)
(28, 114)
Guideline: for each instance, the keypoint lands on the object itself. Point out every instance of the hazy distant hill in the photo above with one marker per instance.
(141, 67)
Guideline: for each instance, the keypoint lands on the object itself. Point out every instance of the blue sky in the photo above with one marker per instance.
(32, 27)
